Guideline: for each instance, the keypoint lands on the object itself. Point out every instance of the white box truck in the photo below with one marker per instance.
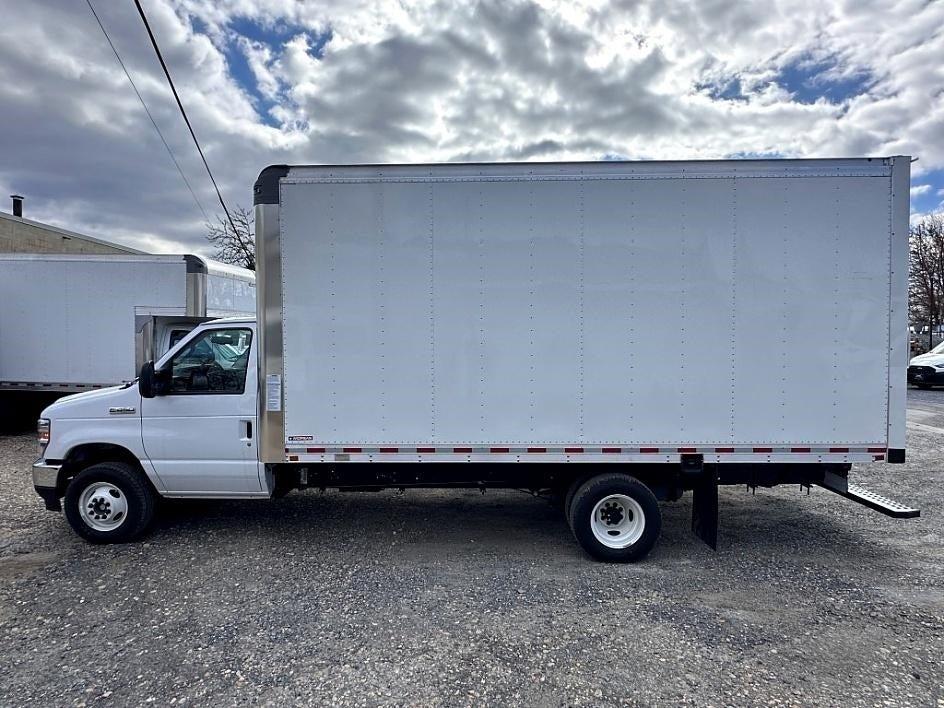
(78, 322)
(618, 333)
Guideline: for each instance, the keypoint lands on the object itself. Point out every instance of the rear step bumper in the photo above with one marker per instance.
(863, 496)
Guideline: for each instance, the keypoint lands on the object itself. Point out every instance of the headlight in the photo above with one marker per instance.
(42, 432)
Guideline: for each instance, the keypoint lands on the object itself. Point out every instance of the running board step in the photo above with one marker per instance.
(884, 505)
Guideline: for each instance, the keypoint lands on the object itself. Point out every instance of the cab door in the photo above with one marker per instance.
(199, 431)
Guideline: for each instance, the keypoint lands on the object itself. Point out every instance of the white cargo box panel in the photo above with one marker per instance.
(71, 319)
(230, 290)
(734, 305)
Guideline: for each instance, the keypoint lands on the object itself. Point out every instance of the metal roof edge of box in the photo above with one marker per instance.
(516, 324)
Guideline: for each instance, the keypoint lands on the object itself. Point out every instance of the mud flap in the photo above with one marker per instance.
(705, 506)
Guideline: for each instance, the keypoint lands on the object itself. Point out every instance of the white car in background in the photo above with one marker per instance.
(927, 370)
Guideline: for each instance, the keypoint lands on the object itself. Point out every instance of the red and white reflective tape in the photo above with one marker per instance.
(530, 453)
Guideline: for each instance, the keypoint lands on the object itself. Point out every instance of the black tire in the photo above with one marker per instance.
(595, 490)
(139, 501)
(569, 499)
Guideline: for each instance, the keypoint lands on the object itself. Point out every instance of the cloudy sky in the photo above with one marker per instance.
(329, 81)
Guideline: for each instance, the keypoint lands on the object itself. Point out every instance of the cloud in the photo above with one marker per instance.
(268, 81)
(920, 189)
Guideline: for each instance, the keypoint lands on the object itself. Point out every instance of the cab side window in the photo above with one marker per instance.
(176, 335)
(215, 362)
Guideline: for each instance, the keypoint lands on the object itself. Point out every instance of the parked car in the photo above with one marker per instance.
(927, 370)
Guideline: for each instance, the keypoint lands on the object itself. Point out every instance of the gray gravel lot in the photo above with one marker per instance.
(444, 598)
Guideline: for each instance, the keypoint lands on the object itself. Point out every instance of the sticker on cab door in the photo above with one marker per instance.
(273, 392)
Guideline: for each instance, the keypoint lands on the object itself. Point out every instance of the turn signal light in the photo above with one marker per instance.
(42, 431)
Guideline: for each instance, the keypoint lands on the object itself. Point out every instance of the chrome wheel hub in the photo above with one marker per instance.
(618, 521)
(103, 506)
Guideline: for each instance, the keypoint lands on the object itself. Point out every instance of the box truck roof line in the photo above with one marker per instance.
(266, 188)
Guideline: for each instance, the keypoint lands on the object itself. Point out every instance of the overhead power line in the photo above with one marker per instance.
(144, 105)
(160, 57)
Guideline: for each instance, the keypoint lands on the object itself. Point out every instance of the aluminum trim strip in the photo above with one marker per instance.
(586, 178)
(269, 329)
(898, 339)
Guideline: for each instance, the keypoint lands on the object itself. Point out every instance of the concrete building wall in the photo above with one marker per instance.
(18, 235)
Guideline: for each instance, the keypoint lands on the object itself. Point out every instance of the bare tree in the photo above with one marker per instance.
(238, 248)
(926, 278)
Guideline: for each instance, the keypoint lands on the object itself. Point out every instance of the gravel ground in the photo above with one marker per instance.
(453, 598)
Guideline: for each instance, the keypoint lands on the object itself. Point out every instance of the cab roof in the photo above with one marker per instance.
(238, 319)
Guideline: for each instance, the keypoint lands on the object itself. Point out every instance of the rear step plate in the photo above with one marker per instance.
(886, 506)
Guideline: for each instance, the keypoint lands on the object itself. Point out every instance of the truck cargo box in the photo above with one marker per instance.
(746, 311)
(72, 322)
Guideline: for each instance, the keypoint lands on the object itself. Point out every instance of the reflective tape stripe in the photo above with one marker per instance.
(295, 449)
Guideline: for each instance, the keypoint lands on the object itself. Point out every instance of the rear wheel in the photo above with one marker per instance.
(109, 503)
(615, 518)
(569, 500)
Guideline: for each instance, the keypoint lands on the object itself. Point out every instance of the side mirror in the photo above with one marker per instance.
(146, 380)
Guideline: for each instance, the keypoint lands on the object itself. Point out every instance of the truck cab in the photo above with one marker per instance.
(186, 428)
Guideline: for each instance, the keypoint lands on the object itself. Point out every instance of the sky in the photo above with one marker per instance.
(342, 81)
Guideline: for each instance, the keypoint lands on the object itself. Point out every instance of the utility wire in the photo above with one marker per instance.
(157, 50)
(144, 105)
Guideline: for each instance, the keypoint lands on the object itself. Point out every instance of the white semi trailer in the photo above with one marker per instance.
(72, 323)
(617, 333)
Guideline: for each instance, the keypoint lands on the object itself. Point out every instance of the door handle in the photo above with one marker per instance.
(247, 430)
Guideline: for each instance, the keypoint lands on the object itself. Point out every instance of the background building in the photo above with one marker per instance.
(19, 235)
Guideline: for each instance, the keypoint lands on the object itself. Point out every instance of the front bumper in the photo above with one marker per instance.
(925, 375)
(45, 482)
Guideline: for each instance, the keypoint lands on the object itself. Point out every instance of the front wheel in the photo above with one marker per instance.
(109, 503)
(615, 518)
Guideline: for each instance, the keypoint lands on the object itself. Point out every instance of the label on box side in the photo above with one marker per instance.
(273, 392)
